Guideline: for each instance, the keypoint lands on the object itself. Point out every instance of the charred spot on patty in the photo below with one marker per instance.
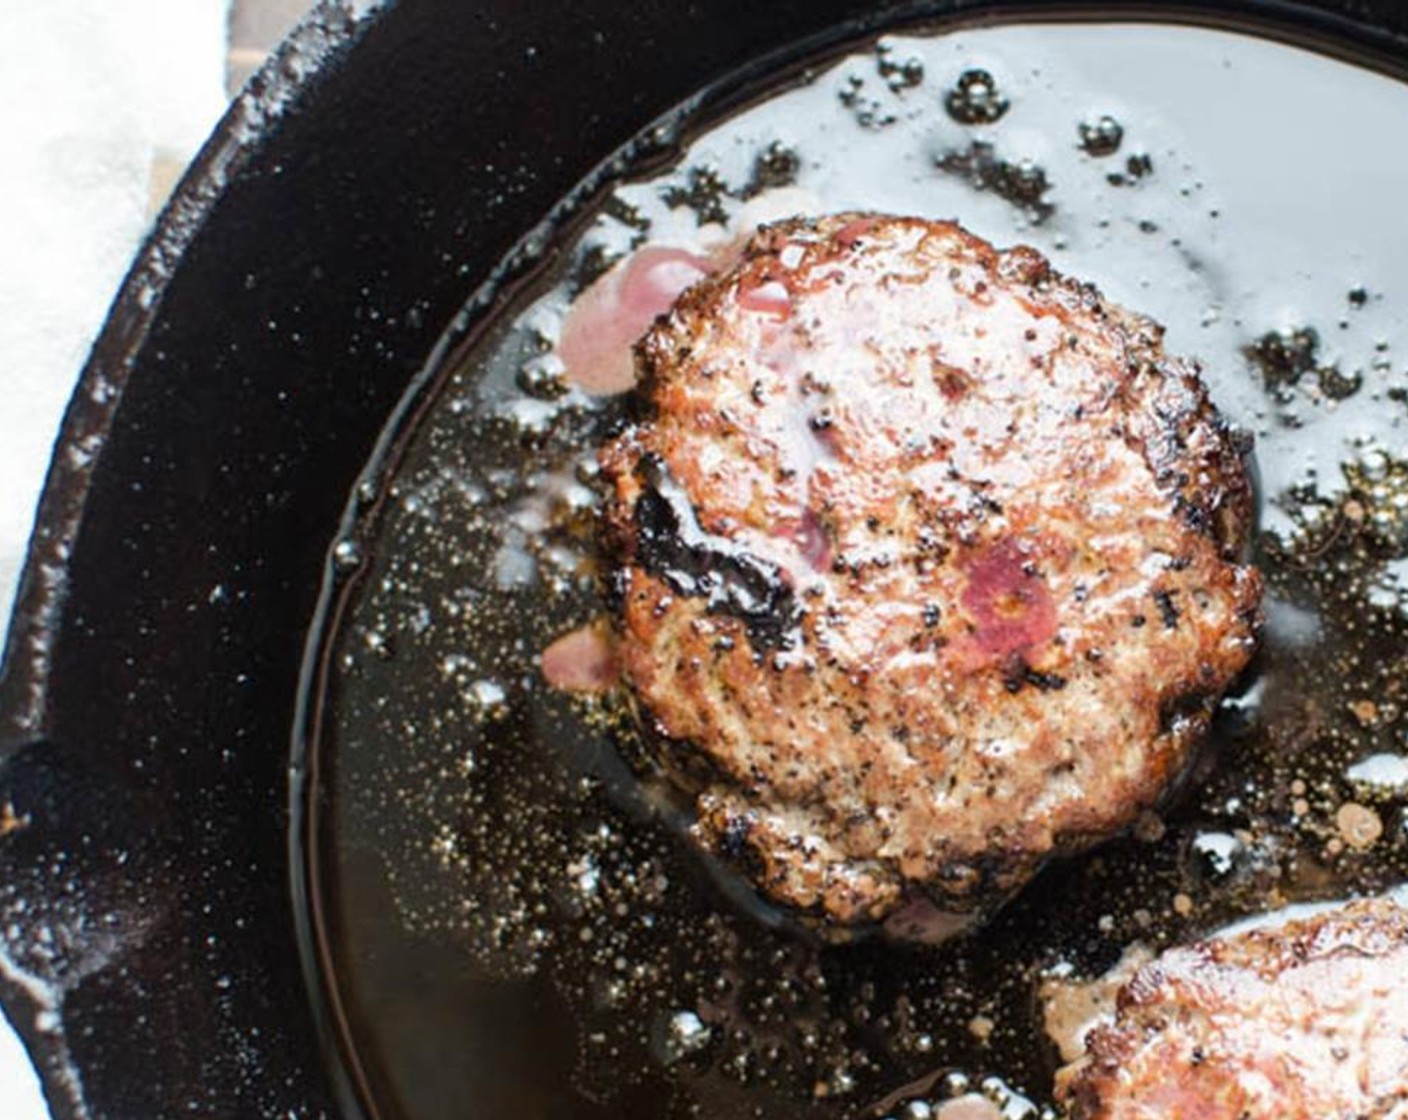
(671, 545)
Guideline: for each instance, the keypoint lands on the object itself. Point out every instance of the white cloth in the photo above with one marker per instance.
(93, 97)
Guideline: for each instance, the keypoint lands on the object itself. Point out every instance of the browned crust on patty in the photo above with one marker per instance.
(1306, 1021)
(927, 563)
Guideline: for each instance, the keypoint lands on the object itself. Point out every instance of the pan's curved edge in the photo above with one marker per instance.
(329, 28)
(30, 994)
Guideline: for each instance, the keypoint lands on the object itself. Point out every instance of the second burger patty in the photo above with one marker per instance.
(927, 565)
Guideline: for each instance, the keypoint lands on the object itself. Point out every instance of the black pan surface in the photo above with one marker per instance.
(374, 176)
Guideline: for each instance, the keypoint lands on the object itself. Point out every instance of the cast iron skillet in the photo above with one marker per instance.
(365, 185)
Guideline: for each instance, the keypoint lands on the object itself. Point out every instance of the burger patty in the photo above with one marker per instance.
(926, 565)
(1308, 1021)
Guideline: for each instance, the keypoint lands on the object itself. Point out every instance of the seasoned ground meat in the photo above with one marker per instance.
(927, 566)
(1308, 1021)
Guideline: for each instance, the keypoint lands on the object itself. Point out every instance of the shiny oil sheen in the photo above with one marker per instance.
(492, 878)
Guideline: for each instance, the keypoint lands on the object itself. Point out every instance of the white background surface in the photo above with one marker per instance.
(99, 103)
